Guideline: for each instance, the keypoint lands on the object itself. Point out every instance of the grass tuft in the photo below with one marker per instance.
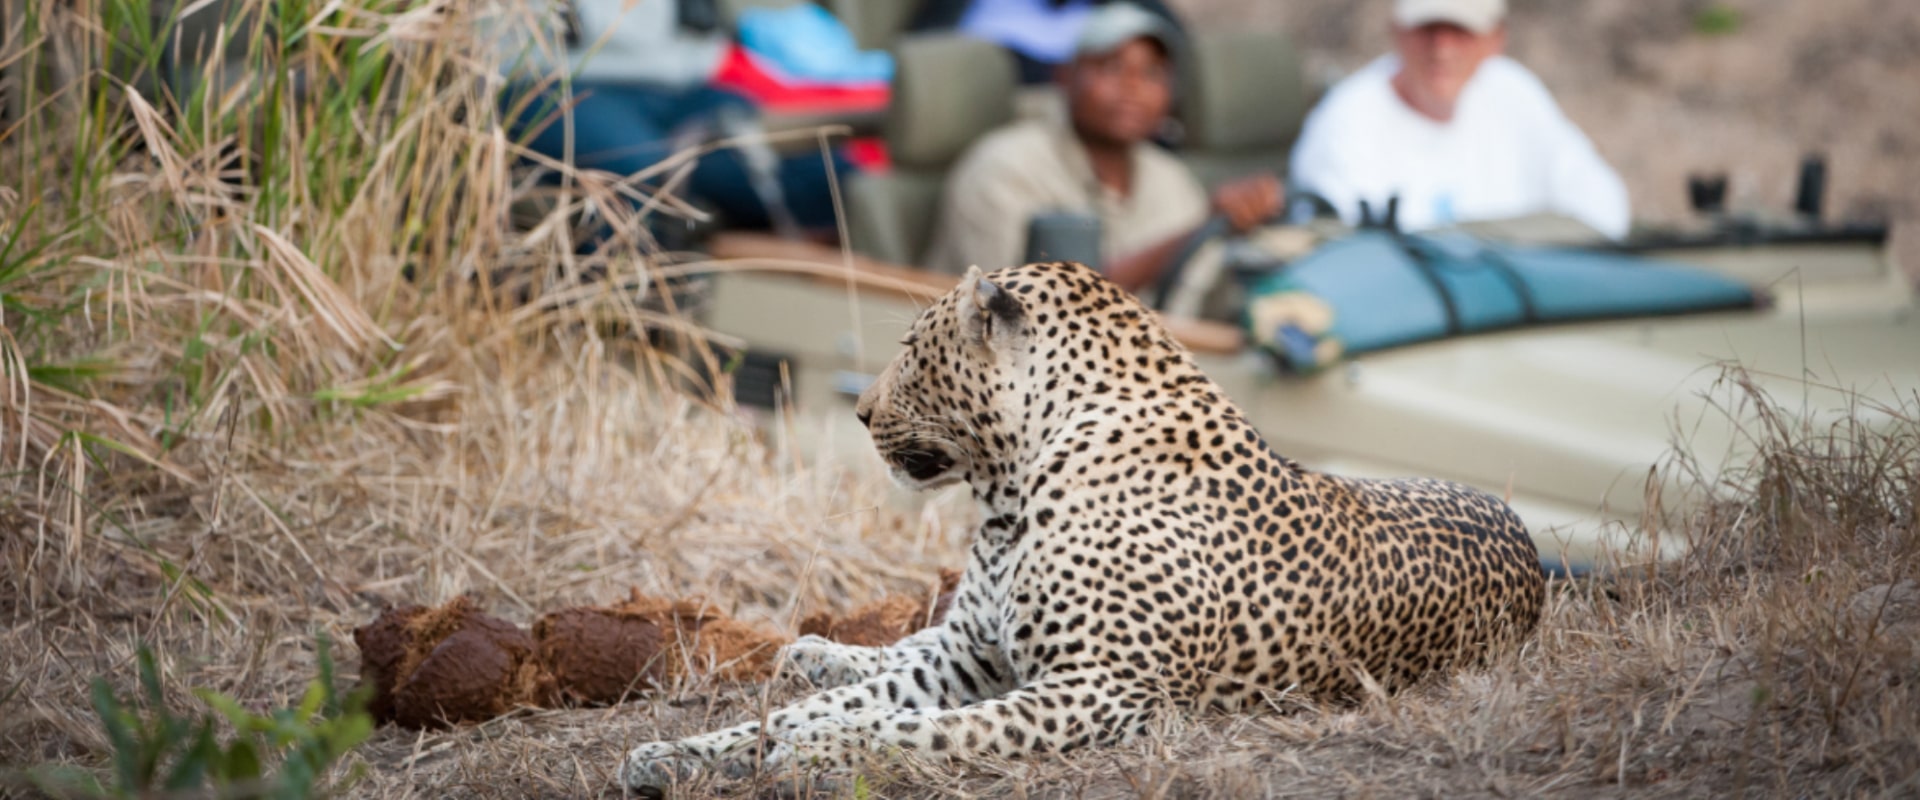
(1717, 19)
(287, 344)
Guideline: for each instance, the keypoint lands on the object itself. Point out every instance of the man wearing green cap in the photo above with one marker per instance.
(1097, 158)
(1454, 130)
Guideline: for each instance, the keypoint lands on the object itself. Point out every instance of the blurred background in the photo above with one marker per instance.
(1671, 88)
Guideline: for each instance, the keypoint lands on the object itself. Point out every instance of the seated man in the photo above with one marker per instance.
(1457, 131)
(1098, 160)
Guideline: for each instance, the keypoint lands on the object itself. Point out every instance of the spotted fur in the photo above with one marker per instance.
(1142, 550)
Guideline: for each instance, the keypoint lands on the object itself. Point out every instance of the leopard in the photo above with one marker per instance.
(1141, 551)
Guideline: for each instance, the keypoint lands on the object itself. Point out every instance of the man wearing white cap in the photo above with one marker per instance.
(1454, 130)
(1097, 158)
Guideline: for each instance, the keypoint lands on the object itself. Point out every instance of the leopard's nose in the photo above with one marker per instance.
(866, 417)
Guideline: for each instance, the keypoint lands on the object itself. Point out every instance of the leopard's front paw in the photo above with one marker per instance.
(827, 663)
(746, 762)
(661, 767)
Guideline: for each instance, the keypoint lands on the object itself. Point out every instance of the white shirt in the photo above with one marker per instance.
(1507, 152)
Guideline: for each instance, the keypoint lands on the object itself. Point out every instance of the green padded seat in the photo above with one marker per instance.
(1243, 97)
(948, 91)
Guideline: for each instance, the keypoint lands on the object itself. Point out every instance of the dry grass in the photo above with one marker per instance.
(255, 392)
(230, 423)
(1779, 657)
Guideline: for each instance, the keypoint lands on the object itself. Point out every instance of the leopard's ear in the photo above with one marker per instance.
(991, 313)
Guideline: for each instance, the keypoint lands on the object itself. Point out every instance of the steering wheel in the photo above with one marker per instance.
(1301, 206)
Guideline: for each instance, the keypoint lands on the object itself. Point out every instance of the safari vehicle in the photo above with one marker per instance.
(1579, 423)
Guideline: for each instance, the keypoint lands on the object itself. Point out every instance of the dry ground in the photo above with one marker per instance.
(1782, 658)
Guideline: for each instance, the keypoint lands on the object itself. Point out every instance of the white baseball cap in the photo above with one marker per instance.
(1479, 16)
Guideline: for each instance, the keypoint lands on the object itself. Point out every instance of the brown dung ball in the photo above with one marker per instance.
(599, 656)
(703, 640)
(730, 650)
(464, 678)
(452, 663)
(383, 646)
(876, 624)
(949, 584)
(887, 620)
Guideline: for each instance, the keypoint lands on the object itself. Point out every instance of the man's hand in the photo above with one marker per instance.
(1249, 201)
(1245, 202)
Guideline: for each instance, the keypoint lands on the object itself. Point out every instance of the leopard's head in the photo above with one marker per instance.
(983, 370)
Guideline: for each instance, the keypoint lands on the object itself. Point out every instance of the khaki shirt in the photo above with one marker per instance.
(1038, 165)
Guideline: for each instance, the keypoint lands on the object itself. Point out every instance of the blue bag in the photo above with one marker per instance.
(1378, 289)
(808, 42)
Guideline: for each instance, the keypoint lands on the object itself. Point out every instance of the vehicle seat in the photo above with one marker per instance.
(948, 90)
(876, 24)
(729, 10)
(1243, 97)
